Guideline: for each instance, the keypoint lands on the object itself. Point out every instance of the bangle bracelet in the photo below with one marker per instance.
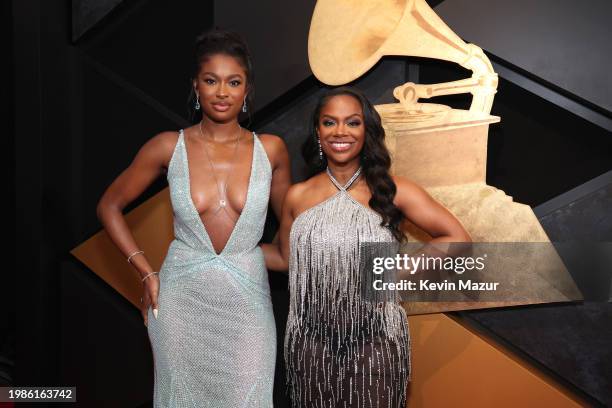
(149, 274)
(129, 258)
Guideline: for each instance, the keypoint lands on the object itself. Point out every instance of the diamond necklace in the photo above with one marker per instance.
(221, 188)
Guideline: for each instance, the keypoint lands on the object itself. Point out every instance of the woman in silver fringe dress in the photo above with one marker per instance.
(342, 350)
(211, 327)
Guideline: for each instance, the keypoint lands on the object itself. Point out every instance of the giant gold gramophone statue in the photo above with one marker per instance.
(440, 148)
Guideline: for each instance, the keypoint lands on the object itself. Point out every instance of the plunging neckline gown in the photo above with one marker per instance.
(214, 341)
(341, 350)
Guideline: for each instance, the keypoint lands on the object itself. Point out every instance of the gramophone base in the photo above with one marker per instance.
(449, 148)
(489, 215)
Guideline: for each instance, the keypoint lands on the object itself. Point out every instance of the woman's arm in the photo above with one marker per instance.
(277, 254)
(148, 164)
(281, 181)
(433, 218)
(281, 171)
(426, 213)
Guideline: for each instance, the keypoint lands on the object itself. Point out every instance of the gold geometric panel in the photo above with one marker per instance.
(455, 367)
(151, 224)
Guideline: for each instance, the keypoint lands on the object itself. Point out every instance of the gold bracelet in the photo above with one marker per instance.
(149, 274)
(129, 258)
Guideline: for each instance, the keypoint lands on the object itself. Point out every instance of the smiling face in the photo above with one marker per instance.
(341, 129)
(221, 86)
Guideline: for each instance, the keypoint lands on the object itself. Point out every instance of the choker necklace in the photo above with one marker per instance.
(348, 183)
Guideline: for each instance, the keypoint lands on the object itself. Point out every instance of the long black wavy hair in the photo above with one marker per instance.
(220, 41)
(374, 156)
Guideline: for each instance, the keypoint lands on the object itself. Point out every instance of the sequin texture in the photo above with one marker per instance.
(214, 341)
(341, 350)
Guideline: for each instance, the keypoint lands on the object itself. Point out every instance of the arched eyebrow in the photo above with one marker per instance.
(352, 115)
(231, 76)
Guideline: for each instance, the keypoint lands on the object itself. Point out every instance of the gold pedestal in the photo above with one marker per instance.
(443, 148)
(445, 152)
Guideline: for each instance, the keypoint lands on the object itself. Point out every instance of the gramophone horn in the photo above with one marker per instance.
(347, 37)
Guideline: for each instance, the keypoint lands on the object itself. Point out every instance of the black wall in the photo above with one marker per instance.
(560, 41)
(538, 150)
(277, 32)
(7, 279)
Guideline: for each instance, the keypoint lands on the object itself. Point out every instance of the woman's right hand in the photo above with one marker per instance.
(149, 297)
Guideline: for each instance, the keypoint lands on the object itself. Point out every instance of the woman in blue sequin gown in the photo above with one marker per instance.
(208, 310)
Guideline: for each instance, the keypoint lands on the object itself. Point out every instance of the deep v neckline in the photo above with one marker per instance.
(195, 210)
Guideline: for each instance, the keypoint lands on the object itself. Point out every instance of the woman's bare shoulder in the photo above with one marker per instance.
(160, 147)
(408, 191)
(165, 140)
(297, 191)
(271, 140)
(301, 196)
(274, 146)
(406, 185)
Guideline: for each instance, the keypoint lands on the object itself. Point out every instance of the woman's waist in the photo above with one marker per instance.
(181, 254)
(344, 329)
(199, 249)
(355, 314)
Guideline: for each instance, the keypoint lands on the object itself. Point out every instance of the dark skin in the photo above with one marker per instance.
(342, 134)
(222, 87)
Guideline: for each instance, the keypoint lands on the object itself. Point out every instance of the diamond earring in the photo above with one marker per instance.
(244, 105)
(197, 104)
(320, 151)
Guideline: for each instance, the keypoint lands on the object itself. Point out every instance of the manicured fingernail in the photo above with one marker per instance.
(155, 313)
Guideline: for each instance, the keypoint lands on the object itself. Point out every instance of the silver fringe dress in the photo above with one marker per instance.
(214, 341)
(341, 350)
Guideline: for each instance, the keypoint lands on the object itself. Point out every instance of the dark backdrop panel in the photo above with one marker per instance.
(277, 33)
(570, 342)
(112, 134)
(563, 42)
(150, 46)
(538, 150)
(87, 13)
(7, 276)
(36, 122)
(105, 351)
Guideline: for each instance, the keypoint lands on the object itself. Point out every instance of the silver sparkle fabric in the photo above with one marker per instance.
(214, 341)
(341, 350)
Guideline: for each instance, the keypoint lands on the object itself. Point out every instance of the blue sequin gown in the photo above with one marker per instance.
(214, 341)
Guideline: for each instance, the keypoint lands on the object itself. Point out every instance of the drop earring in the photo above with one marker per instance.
(244, 105)
(197, 104)
(320, 151)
